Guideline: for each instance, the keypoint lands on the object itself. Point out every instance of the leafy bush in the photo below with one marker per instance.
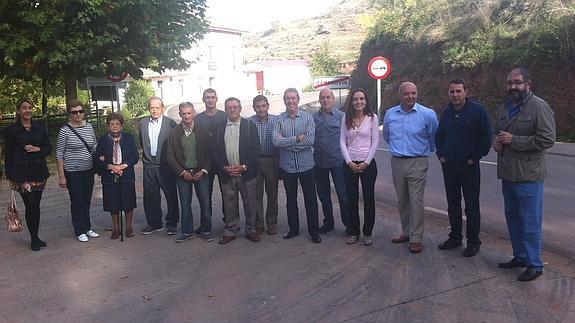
(136, 97)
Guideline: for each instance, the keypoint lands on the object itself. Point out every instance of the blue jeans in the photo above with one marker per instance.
(524, 213)
(185, 192)
(80, 185)
(324, 194)
(307, 182)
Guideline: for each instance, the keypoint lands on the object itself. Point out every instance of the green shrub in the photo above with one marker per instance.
(136, 97)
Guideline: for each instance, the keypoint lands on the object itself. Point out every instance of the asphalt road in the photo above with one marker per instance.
(558, 224)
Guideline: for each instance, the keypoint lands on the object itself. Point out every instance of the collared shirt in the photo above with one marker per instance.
(265, 129)
(294, 156)
(232, 142)
(154, 127)
(514, 110)
(410, 134)
(327, 152)
(188, 130)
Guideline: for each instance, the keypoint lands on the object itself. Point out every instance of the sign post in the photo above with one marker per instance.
(333, 82)
(379, 68)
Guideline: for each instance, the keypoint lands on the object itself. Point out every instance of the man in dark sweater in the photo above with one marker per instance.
(462, 139)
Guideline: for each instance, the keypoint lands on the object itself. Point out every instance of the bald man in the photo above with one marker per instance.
(409, 129)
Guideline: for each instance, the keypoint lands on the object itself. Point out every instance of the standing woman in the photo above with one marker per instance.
(117, 154)
(76, 142)
(27, 146)
(359, 138)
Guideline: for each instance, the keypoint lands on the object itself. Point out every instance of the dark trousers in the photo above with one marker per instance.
(458, 178)
(367, 178)
(307, 182)
(80, 186)
(156, 178)
(32, 213)
(324, 194)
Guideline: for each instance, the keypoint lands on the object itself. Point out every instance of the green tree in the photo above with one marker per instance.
(323, 63)
(136, 97)
(68, 40)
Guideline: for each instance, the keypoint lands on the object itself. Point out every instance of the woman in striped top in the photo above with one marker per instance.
(75, 167)
(359, 138)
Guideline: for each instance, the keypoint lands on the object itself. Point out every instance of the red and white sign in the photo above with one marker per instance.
(332, 82)
(116, 78)
(379, 68)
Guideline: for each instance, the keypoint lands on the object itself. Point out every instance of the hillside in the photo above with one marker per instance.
(342, 26)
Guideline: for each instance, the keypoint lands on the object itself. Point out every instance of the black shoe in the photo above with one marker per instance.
(42, 243)
(471, 250)
(530, 274)
(316, 238)
(35, 246)
(449, 244)
(290, 235)
(513, 263)
(325, 229)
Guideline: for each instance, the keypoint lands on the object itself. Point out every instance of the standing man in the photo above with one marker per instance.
(268, 176)
(153, 133)
(235, 156)
(462, 138)
(525, 130)
(188, 157)
(409, 129)
(329, 159)
(209, 119)
(294, 135)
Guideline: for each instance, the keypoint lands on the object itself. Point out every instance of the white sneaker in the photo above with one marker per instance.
(92, 234)
(82, 238)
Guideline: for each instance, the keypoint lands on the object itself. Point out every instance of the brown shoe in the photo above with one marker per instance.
(129, 233)
(254, 237)
(259, 230)
(415, 247)
(226, 239)
(272, 231)
(115, 235)
(401, 239)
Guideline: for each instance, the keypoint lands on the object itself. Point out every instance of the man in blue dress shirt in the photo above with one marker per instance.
(409, 129)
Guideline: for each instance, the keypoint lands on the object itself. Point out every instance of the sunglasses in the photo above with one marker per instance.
(77, 112)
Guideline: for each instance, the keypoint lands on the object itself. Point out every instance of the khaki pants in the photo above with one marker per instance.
(409, 178)
(230, 191)
(267, 180)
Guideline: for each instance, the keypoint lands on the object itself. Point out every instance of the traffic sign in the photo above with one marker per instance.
(332, 82)
(379, 68)
(117, 78)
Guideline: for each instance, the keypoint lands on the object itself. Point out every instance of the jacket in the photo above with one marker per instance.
(129, 157)
(22, 166)
(175, 151)
(533, 130)
(161, 153)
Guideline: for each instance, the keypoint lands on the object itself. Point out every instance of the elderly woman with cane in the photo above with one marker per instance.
(116, 154)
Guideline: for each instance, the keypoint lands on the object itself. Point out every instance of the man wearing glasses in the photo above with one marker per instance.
(525, 129)
(463, 137)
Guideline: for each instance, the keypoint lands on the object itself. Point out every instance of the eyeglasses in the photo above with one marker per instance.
(516, 83)
(77, 112)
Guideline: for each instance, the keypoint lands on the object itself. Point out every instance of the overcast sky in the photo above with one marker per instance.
(256, 15)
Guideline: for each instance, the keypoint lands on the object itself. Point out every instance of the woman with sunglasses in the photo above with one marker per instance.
(27, 146)
(76, 142)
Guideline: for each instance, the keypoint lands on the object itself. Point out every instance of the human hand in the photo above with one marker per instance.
(505, 138)
(496, 145)
(62, 182)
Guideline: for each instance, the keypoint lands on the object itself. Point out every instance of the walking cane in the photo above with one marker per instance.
(121, 213)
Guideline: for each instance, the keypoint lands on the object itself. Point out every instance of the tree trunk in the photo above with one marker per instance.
(70, 86)
(45, 101)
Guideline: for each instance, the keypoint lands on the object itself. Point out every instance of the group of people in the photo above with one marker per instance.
(250, 156)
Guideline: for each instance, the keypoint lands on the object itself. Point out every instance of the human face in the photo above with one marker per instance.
(261, 108)
(457, 95)
(408, 93)
(358, 102)
(291, 100)
(187, 114)
(25, 111)
(76, 114)
(210, 99)
(233, 110)
(517, 88)
(115, 127)
(156, 108)
(326, 100)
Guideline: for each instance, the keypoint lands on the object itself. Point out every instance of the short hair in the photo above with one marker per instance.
(459, 81)
(292, 90)
(114, 116)
(523, 72)
(184, 105)
(155, 98)
(18, 104)
(73, 103)
(209, 90)
(230, 99)
(258, 98)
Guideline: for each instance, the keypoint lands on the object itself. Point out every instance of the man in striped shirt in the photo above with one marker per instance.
(294, 135)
